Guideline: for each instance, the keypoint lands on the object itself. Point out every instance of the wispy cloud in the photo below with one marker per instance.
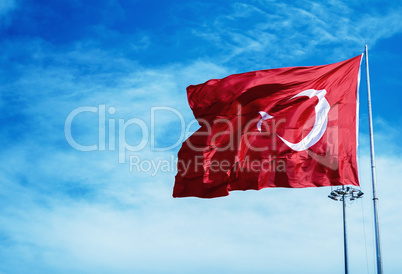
(63, 210)
(294, 32)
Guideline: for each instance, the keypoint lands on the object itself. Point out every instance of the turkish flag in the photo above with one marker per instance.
(288, 127)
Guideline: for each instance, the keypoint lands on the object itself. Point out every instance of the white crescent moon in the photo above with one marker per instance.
(320, 123)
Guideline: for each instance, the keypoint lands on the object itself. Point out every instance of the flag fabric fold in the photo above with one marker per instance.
(288, 127)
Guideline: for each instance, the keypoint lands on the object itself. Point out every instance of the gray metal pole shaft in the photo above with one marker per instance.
(373, 174)
(345, 246)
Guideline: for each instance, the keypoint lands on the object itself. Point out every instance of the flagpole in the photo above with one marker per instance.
(373, 173)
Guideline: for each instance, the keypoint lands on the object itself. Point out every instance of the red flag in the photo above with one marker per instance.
(288, 127)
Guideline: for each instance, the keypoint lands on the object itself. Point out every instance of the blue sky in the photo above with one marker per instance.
(69, 211)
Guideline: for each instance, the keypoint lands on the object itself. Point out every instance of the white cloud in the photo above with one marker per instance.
(65, 210)
(272, 229)
(283, 33)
